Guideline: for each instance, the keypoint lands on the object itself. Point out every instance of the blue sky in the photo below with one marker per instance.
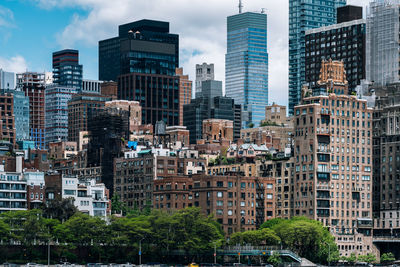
(32, 33)
(30, 30)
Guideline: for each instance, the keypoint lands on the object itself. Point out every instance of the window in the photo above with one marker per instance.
(269, 196)
(220, 203)
(219, 194)
(242, 203)
(220, 212)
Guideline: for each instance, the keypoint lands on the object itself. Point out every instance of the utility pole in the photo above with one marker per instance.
(140, 252)
(48, 252)
(215, 253)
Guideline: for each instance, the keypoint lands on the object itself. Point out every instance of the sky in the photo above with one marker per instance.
(30, 30)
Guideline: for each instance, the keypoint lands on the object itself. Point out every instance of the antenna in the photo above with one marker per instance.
(263, 10)
(240, 6)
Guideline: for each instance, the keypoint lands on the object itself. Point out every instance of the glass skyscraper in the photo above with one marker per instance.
(303, 16)
(246, 65)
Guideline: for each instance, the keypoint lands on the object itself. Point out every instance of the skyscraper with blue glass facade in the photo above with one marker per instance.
(305, 15)
(246, 65)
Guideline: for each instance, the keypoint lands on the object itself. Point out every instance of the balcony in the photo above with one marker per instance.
(325, 113)
(323, 187)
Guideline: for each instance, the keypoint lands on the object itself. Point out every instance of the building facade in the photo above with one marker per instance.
(158, 96)
(7, 118)
(33, 85)
(81, 109)
(246, 64)
(204, 72)
(144, 46)
(383, 42)
(333, 163)
(91, 86)
(21, 115)
(185, 92)
(303, 16)
(56, 116)
(7, 80)
(386, 156)
(344, 42)
(66, 69)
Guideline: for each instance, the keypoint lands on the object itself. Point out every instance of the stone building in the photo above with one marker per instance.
(333, 161)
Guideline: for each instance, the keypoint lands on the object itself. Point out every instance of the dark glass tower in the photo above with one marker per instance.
(303, 16)
(66, 68)
(143, 46)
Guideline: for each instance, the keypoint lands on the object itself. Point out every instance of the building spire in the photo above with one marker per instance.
(240, 6)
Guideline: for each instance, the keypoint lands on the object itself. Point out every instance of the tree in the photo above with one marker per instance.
(60, 209)
(308, 238)
(274, 259)
(251, 125)
(387, 257)
(117, 206)
(263, 237)
(351, 259)
(369, 258)
(5, 231)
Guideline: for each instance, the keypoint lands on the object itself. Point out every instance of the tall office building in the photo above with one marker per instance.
(204, 72)
(56, 117)
(303, 16)
(7, 80)
(66, 68)
(143, 59)
(383, 42)
(7, 118)
(344, 41)
(33, 85)
(246, 64)
(143, 46)
(333, 161)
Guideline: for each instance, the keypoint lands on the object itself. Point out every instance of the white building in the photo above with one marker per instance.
(12, 191)
(204, 72)
(91, 86)
(88, 196)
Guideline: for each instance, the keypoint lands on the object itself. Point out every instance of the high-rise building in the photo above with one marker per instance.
(33, 85)
(185, 92)
(333, 161)
(56, 101)
(204, 72)
(303, 16)
(7, 80)
(7, 118)
(107, 141)
(66, 68)
(143, 59)
(81, 109)
(21, 114)
(386, 155)
(383, 42)
(143, 46)
(210, 104)
(344, 41)
(246, 64)
(157, 94)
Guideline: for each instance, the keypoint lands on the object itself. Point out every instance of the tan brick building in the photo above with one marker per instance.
(217, 130)
(238, 203)
(333, 178)
(276, 114)
(134, 108)
(185, 91)
(7, 118)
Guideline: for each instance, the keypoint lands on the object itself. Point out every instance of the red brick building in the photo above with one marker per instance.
(185, 92)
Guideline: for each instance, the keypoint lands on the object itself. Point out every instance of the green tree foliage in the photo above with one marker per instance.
(351, 259)
(60, 209)
(274, 259)
(117, 206)
(369, 258)
(308, 238)
(262, 237)
(387, 257)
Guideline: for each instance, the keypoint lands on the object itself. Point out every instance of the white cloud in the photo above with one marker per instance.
(15, 64)
(201, 25)
(6, 17)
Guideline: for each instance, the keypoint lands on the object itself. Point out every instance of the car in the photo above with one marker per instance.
(268, 265)
(8, 264)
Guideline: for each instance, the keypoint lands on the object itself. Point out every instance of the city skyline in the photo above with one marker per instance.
(74, 24)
